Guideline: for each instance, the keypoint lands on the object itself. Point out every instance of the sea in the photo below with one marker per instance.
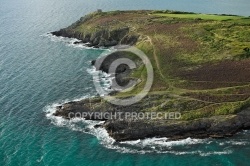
(39, 72)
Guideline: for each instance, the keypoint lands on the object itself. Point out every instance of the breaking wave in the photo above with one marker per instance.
(69, 41)
(187, 146)
(149, 145)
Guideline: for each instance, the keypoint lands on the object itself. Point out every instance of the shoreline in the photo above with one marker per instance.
(213, 126)
(238, 124)
(128, 130)
(150, 145)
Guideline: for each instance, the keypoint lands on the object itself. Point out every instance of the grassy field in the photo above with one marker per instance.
(201, 62)
(200, 16)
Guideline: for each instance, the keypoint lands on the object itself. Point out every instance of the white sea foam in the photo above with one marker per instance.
(149, 145)
(69, 41)
(233, 142)
(89, 128)
(105, 79)
(204, 154)
(246, 132)
(164, 142)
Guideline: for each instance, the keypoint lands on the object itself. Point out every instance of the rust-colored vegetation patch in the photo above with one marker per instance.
(218, 98)
(203, 85)
(226, 71)
(202, 62)
(125, 17)
(169, 41)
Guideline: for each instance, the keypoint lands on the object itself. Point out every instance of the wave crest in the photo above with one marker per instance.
(149, 145)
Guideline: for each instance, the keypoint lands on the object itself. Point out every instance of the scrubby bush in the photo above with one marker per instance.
(247, 52)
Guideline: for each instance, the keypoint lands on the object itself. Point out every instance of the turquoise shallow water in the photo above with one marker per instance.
(37, 71)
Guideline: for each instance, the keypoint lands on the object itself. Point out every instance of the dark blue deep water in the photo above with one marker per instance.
(38, 71)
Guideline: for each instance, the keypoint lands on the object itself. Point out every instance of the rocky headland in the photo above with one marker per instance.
(212, 99)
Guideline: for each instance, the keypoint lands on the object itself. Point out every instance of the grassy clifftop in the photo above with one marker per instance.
(201, 62)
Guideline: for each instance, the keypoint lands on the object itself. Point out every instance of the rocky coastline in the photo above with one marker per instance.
(103, 38)
(214, 126)
(133, 129)
(125, 129)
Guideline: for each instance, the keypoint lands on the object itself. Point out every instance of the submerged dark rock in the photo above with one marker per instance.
(77, 42)
(93, 62)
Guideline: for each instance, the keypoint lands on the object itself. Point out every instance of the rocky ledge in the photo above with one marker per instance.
(100, 37)
(202, 118)
(123, 129)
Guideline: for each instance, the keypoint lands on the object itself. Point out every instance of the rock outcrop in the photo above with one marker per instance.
(100, 38)
(205, 114)
(103, 35)
(122, 129)
(214, 127)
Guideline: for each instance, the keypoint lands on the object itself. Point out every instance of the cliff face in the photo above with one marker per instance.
(215, 127)
(102, 38)
(196, 72)
(122, 73)
(98, 36)
(132, 129)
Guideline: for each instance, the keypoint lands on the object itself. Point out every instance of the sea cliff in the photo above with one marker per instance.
(201, 70)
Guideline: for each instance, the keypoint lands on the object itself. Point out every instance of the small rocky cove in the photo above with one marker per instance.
(124, 129)
(132, 129)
